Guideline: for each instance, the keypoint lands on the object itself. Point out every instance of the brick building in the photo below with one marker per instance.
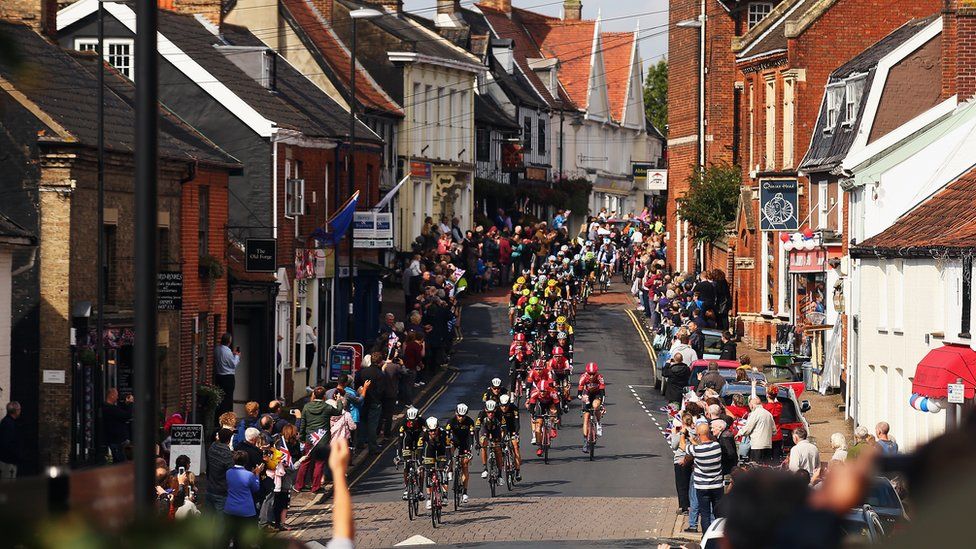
(783, 63)
(51, 187)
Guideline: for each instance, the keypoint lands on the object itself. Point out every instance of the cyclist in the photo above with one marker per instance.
(561, 371)
(510, 415)
(592, 390)
(519, 356)
(562, 340)
(543, 400)
(490, 428)
(607, 257)
(513, 299)
(432, 446)
(460, 437)
(410, 433)
(534, 309)
(494, 391)
(553, 292)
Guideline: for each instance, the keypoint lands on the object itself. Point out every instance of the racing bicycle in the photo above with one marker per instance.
(548, 433)
(413, 487)
(436, 488)
(494, 474)
(508, 455)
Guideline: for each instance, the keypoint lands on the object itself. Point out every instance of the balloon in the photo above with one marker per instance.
(807, 232)
(788, 246)
(785, 237)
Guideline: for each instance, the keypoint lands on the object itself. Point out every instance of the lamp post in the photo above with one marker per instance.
(356, 15)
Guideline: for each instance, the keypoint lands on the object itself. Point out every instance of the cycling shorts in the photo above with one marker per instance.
(540, 409)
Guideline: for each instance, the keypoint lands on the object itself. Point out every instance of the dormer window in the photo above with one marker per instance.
(834, 96)
(853, 88)
(757, 11)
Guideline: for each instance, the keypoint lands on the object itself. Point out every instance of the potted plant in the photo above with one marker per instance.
(210, 268)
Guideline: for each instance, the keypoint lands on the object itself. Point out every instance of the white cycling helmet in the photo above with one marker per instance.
(496, 382)
(589, 243)
(576, 257)
(462, 409)
(565, 261)
(552, 258)
(504, 400)
(490, 405)
(564, 248)
(432, 423)
(412, 413)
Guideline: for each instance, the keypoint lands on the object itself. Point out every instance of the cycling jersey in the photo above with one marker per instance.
(490, 424)
(433, 445)
(608, 255)
(592, 385)
(537, 376)
(410, 433)
(492, 395)
(544, 398)
(558, 364)
(460, 433)
(519, 350)
(510, 419)
(533, 311)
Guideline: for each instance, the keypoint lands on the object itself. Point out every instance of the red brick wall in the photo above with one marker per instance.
(965, 45)
(200, 295)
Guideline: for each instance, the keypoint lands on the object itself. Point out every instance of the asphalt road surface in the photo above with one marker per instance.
(625, 497)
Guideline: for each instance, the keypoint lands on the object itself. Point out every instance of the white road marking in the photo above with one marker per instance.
(415, 540)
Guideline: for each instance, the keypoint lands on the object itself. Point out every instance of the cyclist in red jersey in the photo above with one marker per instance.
(560, 369)
(540, 372)
(592, 390)
(542, 400)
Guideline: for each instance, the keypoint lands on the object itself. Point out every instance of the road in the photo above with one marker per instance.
(625, 494)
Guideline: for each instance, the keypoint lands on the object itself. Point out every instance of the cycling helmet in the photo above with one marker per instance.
(431, 423)
(520, 337)
(520, 280)
(552, 327)
(533, 300)
(542, 278)
(552, 282)
(562, 335)
(606, 240)
(576, 257)
(589, 243)
(592, 368)
(558, 351)
(561, 320)
(526, 292)
(504, 400)
(496, 382)
(462, 409)
(564, 248)
(552, 258)
(490, 405)
(412, 413)
(565, 261)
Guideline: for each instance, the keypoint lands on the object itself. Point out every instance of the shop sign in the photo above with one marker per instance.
(778, 207)
(260, 255)
(305, 261)
(535, 174)
(808, 261)
(745, 263)
(956, 393)
(169, 291)
(421, 170)
(187, 440)
(384, 225)
(657, 180)
(364, 224)
(512, 157)
(373, 243)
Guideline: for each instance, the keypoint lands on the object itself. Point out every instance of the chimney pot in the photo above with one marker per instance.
(572, 10)
(504, 6)
(211, 9)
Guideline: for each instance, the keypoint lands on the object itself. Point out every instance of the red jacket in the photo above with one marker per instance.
(504, 251)
(776, 409)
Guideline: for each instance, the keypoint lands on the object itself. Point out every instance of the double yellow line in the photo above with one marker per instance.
(651, 353)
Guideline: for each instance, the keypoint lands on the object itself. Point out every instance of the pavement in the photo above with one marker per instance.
(625, 497)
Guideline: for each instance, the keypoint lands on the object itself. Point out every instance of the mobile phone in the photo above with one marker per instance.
(293, 412)
(181, 470)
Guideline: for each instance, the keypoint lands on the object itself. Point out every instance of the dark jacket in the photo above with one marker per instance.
(317, 415)
(712, 380)
(677, 378)
(254, 455)
(728, 351)
(374, 394)
(243, 425)
(219, 460)
(116, 418)
(10, 443)
(437, 317)
(697, 341)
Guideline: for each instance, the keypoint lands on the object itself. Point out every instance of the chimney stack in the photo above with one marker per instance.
(41, 15)
(392, 6)
(959, 49)
(324, 7)
(572, 10)
(211, 9)
(504, 6)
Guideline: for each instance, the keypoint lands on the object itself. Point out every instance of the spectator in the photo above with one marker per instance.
(252, 438)
(227, 420)
(411, 283)
(739, 408)
(712, 379)
(225, 368)
(728, 347)
(861, 442)
(184, 485)
(306, 337)
(681, 346)
(759, 428)
(11, 453)
(707, 476)
(219, 459)
(888, 446)
(242, 488)
(726, 440)
(250, 419)
(266, 426)
(352, 399)
(838, 442)
(696, 339)
(682, 464)
(373, 400)
(116, 420)
(776, 409)
(290, 444)
(343, 526)
(274, 412)
(804, 455)
(677, 376)
(314, 431)
(390, 383)
(413, 363)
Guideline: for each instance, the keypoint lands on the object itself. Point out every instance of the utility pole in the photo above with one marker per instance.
(145, 355)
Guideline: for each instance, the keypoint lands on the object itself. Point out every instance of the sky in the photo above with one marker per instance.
(617, 15)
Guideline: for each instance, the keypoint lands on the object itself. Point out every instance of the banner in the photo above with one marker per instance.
(778, 206)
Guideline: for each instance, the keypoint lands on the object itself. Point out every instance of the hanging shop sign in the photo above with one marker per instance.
(649, 178)
(513, 160)
(808, 261)
(364, 224)
(421, 170)
(374, 230)
(169, 291)
(778, 207)
(260, 255)
(745, 263)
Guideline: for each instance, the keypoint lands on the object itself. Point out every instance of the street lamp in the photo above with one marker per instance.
(356, 15)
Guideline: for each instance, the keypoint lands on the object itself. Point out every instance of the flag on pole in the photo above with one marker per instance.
(338, 224)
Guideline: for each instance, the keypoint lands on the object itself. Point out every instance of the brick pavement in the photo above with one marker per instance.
(505, 519)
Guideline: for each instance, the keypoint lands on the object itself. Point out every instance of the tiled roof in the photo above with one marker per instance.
(489, 113)
(572, 43)
(301, 93)
(946, 220)
(525, 46)
(617, 50)
(64, 90)
(332, 51)
(769, 35)
(13, 232)
(829, 146)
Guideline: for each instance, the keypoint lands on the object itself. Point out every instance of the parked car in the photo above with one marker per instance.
(713, 350)
(714, 535)
(793, 409)
(728, 369)
(884, 499)
(862, 525)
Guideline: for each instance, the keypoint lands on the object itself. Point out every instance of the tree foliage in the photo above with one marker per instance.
(711, 201)
(656, 95)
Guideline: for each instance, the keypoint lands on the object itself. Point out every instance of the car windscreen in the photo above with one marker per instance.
(882, 494)
(713, 344)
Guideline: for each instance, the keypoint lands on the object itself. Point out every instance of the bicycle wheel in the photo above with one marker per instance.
(509, 474)
(435, 492)
(458, 487)
(410, 499)
(492, 473)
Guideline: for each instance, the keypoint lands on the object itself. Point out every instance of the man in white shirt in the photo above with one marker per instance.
(681, 345)
(804, 454)
(760, 427)
(305, 337)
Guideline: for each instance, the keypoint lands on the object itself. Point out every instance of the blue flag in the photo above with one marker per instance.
(338, 224)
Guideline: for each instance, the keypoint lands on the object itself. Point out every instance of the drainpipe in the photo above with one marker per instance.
(274, 185)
